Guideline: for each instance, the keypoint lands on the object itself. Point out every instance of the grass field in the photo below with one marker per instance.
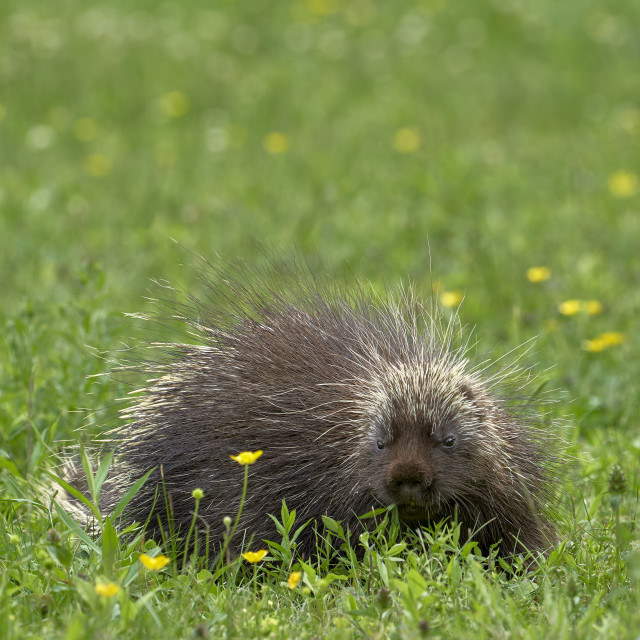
(503, 135)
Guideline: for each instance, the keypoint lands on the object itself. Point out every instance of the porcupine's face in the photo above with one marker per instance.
(424, 447)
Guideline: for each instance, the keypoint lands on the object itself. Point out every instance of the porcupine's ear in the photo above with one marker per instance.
(470, 395)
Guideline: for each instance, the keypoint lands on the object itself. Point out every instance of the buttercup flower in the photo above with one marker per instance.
(197, 494)
(450, 298)
(322, 7)
(623, 184)
(294, 579)
(154, 564)
(594, 345)
(570, 307)
(538, 274)
(254, 556)
(603, 341)
(406, 140)
(247, 457)
(107, 589)
(592, 307)
(175, 104)
(275, 142)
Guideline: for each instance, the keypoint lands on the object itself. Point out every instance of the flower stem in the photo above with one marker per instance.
(193, 524)
(235, 524)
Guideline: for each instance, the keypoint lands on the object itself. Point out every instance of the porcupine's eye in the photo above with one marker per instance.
(449, 442)
(380, 445)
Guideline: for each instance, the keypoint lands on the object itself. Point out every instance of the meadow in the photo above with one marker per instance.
(487, 150)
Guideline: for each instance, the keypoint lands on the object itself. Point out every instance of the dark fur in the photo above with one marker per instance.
(354, 402)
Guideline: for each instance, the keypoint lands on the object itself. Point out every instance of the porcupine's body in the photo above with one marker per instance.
(357, 404)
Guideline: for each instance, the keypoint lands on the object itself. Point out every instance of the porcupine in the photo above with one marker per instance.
(358, 402)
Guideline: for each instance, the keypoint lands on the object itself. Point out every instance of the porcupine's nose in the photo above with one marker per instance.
(408, 483)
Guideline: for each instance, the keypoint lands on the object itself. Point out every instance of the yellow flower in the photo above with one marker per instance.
(85, 129)
(603, 341)
(592, 307)
(294, 579)
(98, 165)
(594, 345)
(197, 494)
(322, 7)
(254, 556)
(247, 457)
(275, 142)
(623, 184)
(154, 564)
(450, 299)
(612, 338)
(538, 274)
(107, 589)
(175, 104)
(406, 140)
(570, 307)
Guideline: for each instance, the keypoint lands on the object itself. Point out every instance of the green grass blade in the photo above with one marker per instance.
(103, 472)
(88, 471)
(78, 495)
(77, 529)
(131, 492)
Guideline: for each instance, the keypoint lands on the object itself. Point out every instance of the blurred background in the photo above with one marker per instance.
(504, 134)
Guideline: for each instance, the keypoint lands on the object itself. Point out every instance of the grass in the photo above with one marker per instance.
(502, 135)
